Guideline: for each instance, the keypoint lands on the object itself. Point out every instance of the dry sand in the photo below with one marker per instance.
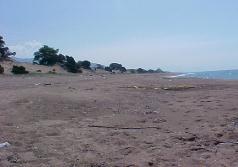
(117, 121)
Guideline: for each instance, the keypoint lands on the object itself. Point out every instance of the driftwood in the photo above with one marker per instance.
(126, 128)
(228, 142)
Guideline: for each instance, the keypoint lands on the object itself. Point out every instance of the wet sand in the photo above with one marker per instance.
(118, 121)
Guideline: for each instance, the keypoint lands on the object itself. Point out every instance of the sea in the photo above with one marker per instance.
(223, 74)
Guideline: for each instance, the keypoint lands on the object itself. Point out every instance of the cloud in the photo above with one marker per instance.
(26, 49)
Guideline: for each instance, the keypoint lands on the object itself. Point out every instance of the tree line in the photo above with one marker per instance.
(49, 56)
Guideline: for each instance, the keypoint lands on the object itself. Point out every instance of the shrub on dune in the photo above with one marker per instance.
(19, 70)
(1, 70)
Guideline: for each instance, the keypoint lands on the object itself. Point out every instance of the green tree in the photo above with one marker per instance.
(119, 67)
(115, 66)
(47, 56)
(5, 53)
(61, 59)
(71, 65)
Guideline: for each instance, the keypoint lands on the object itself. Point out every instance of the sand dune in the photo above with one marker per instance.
(31, 67)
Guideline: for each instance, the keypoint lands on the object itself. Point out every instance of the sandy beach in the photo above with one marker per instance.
(105, 120)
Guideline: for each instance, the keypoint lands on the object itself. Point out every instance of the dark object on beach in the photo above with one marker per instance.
(19, 70)
(1, 70)
(47, 84)
(13, 158)
(51, 72)
(150, 163)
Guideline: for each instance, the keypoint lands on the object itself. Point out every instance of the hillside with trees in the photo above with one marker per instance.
(50, 58)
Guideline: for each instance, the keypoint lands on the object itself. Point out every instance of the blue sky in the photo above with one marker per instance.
(176, 35)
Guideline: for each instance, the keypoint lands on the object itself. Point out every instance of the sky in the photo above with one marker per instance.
(175, 35)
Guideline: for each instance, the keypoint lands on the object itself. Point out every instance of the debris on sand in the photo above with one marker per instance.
(6, 144)
(172, 88)
(178, 87)
(72, 88)
(13, 158)
(141, 87)
(187, 138)
(47, 84)
(150, 163)
(151, 112)
(123, 128)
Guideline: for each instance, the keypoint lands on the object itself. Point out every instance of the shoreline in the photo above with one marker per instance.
(208, 75)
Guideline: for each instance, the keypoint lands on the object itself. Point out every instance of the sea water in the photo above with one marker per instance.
(225, 74)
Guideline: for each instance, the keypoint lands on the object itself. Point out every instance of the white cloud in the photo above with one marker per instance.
(26, 49)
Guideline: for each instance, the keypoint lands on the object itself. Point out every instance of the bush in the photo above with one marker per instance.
(151, 71)
(19, 70)
(141, 71)
(115, 66)
(99, 66)
(84, 64)
(108, 69)
(1, 70)
(132, 71)
(159, 71)
(123, 69)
